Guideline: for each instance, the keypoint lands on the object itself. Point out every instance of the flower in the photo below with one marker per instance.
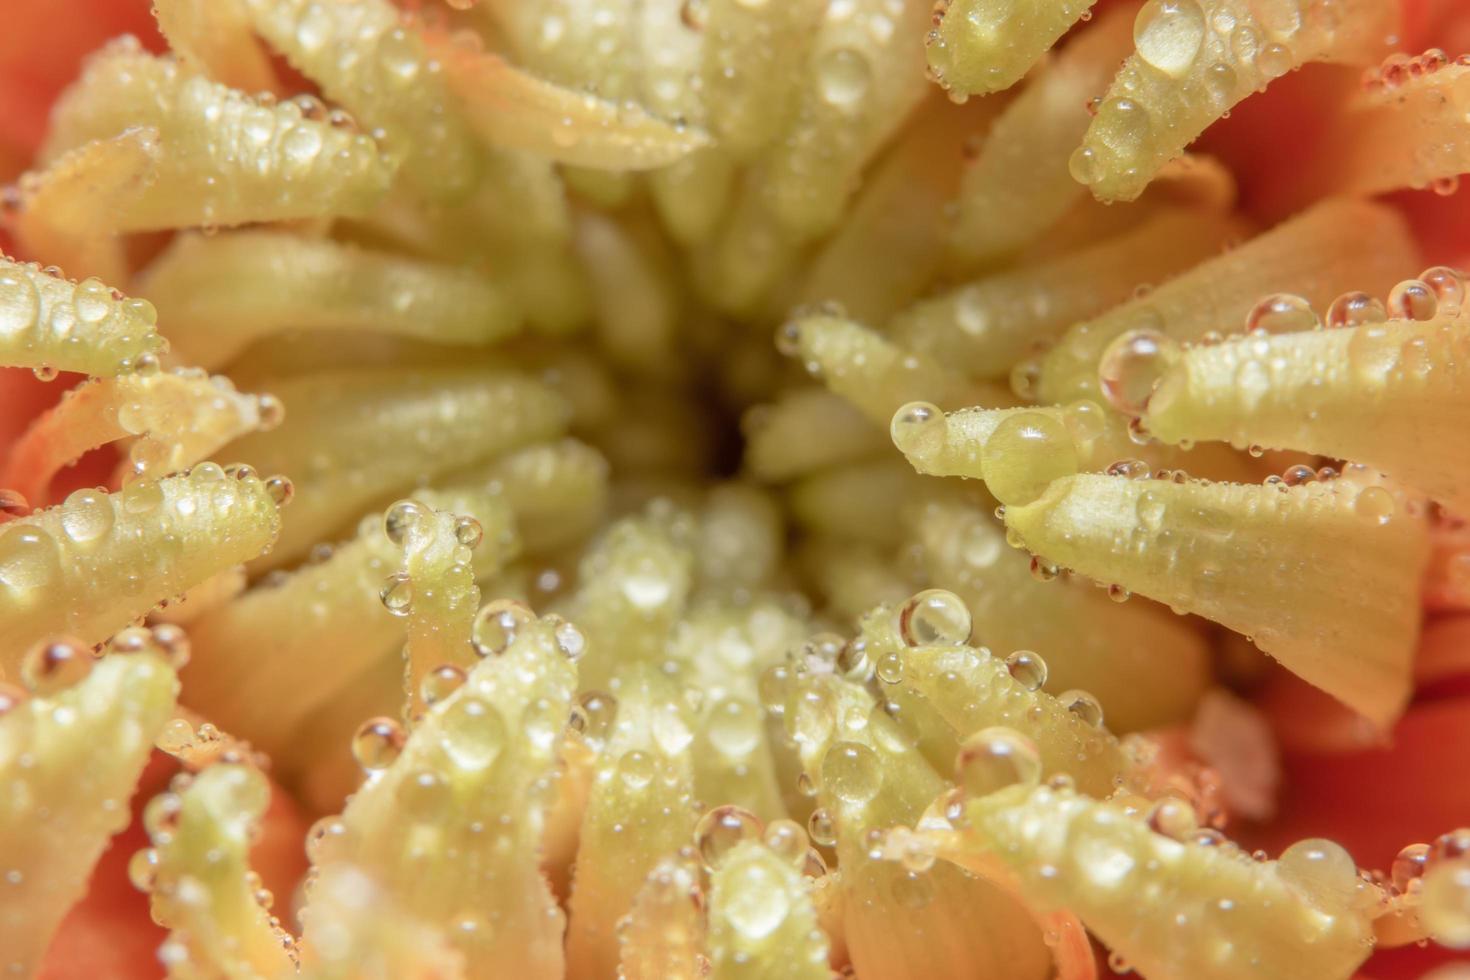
(429, 540)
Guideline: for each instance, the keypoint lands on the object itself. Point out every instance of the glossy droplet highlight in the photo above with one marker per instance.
(474, 733)
(851, 772)
(378, 743)
(55, 665)
(1084, 706)
(1282, 313)
(1131, 367)
(721, 829)
(993, 759)
(1412, 300)
(1168, 34)
(498, 624)
(1355, 309)
(440, 682)
(87, 516)
(397, 594)
(918, 429)
(1445, 903)
(1027, 668)
(1025, 454)
(1320, 868)
(843, 78)
(934, 617)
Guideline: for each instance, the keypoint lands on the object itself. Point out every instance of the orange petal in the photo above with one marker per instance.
(1375, 800)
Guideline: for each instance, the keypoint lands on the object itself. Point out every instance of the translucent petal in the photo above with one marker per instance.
(761, 919)
(202, 888)
(451, 829)
(1169, 908)
(68, 763)
(1316, 255)
(1284, 566)
(1186, 71)
(52, 323)
(225, 158)
(176, 419)
(991, 324)
(1019, 186)
(90, 567)
(372, 63)
(353, 438)
(1385, 394)
(212, 294)
(981, 46)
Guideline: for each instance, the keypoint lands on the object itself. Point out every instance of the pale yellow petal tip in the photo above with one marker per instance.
(1165, 897)
(75, 742)
(1278, 563)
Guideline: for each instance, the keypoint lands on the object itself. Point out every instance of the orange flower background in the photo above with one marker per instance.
(1325, 772)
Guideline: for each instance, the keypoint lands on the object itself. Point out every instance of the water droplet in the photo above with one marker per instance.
(1281, 313)
(636, 769)
(1173, 817)
(55, 665)
(1027, 668)
(173, 642)
(1132, 367)
(497, 625)
(890, 668)
(1168, 35)
(280, 489)
(1355, 309)
(87, 515)
(1321, 869)
(1025, 454)
(1412, 300)
(29, 557)
(788, 840)
(377, 743)
(440, 682)
(397, 594)
(1409, 865)
(143, 869)
(734, 728)
(918, 429)
(1084, 706)
(851, 772)
(1274, 60)
(721, 829)
(934, 617)
(993, 759)
(474, 733)
(570, 641)
(1375, 505)
(843, 78)
(1444, 904)
(1448, 286)
(821, 827)
(468, 532)
(400, 517)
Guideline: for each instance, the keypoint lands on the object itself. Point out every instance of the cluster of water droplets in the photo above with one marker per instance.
(57, 322)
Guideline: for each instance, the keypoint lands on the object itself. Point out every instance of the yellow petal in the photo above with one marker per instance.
(1284, 566)
(69, 760)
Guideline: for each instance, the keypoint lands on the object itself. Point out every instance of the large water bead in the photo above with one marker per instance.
(994, 759)
(1025, 454)
(918, 429)
(1168, 35)
(721, 829)
(934, 617)
(1321, 869)
(1132, 366)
